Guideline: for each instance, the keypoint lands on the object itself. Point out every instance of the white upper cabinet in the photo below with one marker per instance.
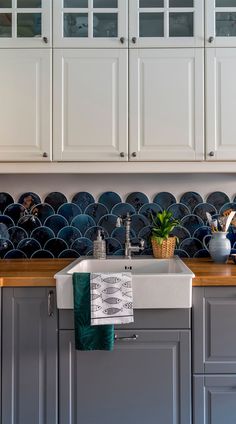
(25, 23)
(221, 104)
(220, 23)
(167, 104)
(25, 107)
(91, 23)
(166, 23)
(90, 105)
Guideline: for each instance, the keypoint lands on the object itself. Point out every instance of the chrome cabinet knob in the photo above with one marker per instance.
(212, 154)
(122, 154)
(134, 40)
(45, 40)
(134, 154)
(45, 155)
(122, 40)
(211, 39)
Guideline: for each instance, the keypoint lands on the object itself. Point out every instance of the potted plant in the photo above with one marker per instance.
(163, 244)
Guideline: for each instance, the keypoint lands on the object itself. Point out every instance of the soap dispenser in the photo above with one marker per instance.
(99, 247)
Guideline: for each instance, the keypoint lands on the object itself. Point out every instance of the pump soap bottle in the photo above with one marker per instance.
(99, 247)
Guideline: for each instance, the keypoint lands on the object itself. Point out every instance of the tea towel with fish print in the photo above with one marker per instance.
(111, 298)
(86, 336)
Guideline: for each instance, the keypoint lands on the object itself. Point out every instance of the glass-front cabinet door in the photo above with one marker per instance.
(220, 23)
(91, 23)
(25, 23)
(166, 23)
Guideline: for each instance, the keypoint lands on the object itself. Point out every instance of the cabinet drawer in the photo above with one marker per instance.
(214, 330)
(144, 318)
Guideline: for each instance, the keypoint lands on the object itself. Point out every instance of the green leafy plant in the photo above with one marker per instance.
(162, 225)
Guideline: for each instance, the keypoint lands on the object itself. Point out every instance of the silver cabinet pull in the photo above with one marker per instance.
(122, 154)
(122, 40)
(212, 154)
(134, 40)
(50, 303)
(45, 40)
(132, 338)
(211, 39)
(45, 155)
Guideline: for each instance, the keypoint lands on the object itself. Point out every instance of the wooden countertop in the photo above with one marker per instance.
(40, 272)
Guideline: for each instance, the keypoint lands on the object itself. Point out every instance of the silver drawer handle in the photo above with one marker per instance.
(50, 303)
(128, 338)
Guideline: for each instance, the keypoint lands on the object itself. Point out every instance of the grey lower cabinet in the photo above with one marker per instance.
(29, 356)
(146, 379)
(214, 355)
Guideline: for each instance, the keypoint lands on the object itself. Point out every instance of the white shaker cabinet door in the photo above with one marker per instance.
(90, 105)
(221, 104)
(167, 104)
(25, 106)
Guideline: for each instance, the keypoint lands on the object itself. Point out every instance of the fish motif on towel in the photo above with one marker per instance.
(112, 311)
(95, 286)
(127, 284)
(94, 276)
(95, 296)
(127, 294)
(128, 305)
(95, 308)
(111, 290)
(112, 300)
(112, 280)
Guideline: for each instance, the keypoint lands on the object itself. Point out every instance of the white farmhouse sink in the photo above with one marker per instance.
(157, 283)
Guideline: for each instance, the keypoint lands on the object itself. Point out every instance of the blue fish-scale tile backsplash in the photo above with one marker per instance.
(61, 227)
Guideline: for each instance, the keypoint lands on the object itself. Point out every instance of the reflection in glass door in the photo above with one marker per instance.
(221, 23)
(166, 22)
(21, 21)
(91, 23)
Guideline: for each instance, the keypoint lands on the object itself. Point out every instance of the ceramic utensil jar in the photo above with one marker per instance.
(219, 246)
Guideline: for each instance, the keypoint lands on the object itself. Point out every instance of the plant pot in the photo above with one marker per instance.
(164, 250)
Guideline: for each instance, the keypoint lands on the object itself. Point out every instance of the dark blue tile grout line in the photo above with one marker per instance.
(57, 227)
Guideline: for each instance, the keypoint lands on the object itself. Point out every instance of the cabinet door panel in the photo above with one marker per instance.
(25, 107)
(25, 23)
(221, 103)
(91, 102)
(159, 23)
(220, 23)
(146, 380)
(166, 113)
(93, 23)
(214, 331)
(214, 399)
(29, 357)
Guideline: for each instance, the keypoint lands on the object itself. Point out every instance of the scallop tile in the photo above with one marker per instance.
(55, 199)
(69, 253)
(122, 209)
(56, 246)
(83, 222)
(42, 235)
(181, 253)
(15, 211)
(82, 245)
(42, 254)
(17, 234)
(5, 200)
(29, 199)
(5, 246)
(201, 232)
(164, 199)
(191, 246)
(112, 245)
(201, 210)
(137, 199)
(109, 199)
(29, 223)
(29, 246)
(42, 211)
(149, 210)
(83, 199)
(4, 233)
(181, 233)
(218, 199)
(179, 210)
(230, 205)
(92, 232)
(69, 234)
(6, 220)
(191, 199)
(192, 223)
(69, 211)
(138, 222)
(15, 254)
(108, 222)
(56, 223)
(145, 234)
(120, 234)
(202, 253)
(96, 211)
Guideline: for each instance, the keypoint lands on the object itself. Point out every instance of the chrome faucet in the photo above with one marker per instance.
(129, 248)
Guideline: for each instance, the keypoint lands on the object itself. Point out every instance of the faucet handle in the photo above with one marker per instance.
(142, 244)
(119, 221)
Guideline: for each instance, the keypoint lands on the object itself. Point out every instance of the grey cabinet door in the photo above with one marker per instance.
(214, 330)
(214, 399)
(144, 380)
(29, 356)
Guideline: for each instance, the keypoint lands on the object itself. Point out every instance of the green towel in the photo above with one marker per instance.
(87, 337)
